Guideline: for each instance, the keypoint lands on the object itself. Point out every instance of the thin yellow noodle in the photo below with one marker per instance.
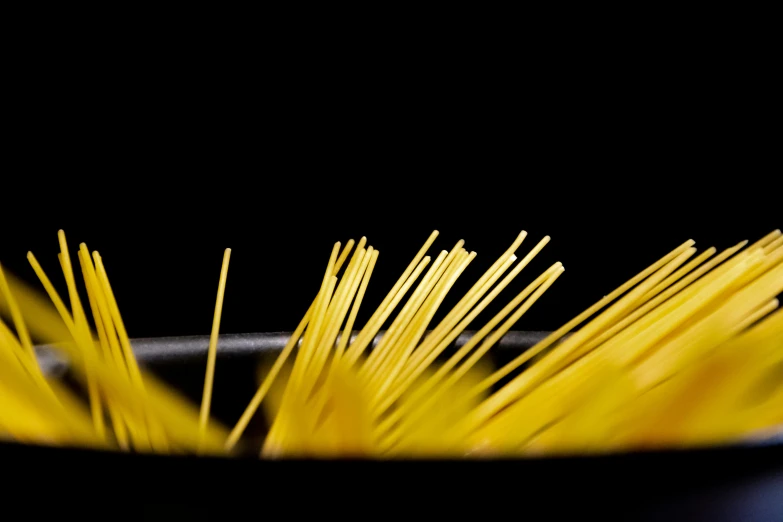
(115, 416)
(492, 339)
(346, 283)
(558, 334)
(386, 307)
(477, 291)
(713, 329)
(56, 406)
(24, 352)
(680, 273)
(58, 303)
(122, 334)
(313, 332)
(375, 322)
(773, 246)
(380, 352)
(344, 254)
(410, 339)
(553, 361)
(410, 373)
(146, 426)
(655, 325)
(662, 297)
(377, 358)
(315, 402)
(83, 339)
(92, 286)
(337, 311)
(543, 281)
(306, 352)
(428, 353)
(181, 418)
(389, 374)
(104, 315)
(321, 398)
(369, 264)
(292, 395)
(654, 328)
(114, 358)
(537, 288)
(255, 402)
(43, 322)
(766, 240)
(385, 350)
(759, 314)
(206, 399)
(298, 387)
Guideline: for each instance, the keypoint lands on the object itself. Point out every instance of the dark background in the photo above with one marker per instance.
(163, 143)
(162, 165)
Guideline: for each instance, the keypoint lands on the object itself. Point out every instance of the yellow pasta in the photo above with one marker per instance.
(687, 352)
(212, 354)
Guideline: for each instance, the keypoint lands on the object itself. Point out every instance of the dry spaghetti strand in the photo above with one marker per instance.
(255, 402)
(206, 399)
(83, 337)
(387, 305)
(89, 279)
(446, 328)
(27, 354)
(292, 395)
(418, 326)
(558, 334)
(427, 353)
(385, 351)
(417, 399)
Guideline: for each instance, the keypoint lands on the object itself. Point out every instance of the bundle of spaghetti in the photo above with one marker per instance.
(397, 371)
(686, 352)
(691, 354)
(614, 384)
(143, 413)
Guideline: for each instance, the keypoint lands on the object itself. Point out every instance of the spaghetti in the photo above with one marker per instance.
(689, 351)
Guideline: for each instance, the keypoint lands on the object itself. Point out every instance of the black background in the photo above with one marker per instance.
(160, 149)
(162, 165)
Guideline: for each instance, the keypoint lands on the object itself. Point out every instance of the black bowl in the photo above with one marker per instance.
(738, 482)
